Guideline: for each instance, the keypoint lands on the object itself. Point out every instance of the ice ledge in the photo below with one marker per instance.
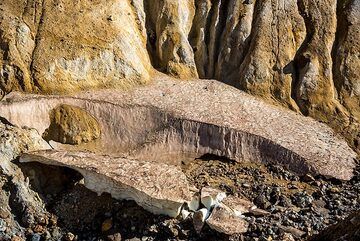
(159, 188)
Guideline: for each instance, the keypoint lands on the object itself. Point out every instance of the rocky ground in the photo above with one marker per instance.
(301, 206)
(299, 54)
(298, 207)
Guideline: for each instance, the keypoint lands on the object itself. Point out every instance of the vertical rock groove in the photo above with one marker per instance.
(346, 63)
(38, 26)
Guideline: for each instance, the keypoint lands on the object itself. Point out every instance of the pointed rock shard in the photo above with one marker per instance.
(159, 188)
(238, 205)
(195, 202)
(185, 214)
(241, 206)
(211, 197)
(199, 219)
(224, 220)
(259, 212)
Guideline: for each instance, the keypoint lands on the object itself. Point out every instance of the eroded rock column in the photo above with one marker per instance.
(168, 25)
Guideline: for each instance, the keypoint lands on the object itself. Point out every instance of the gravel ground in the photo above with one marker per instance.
(299, 206)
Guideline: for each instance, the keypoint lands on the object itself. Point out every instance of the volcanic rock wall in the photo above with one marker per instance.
(301, 54)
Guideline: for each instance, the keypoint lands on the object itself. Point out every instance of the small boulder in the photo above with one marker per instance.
(211, 197)
(71, 125)
(224, 220)
(293, 231)
(114, 237)
(239, 205)
(199, 219)
(194, 205)
(106, 225)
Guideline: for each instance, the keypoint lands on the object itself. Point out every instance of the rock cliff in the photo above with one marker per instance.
(303, 54)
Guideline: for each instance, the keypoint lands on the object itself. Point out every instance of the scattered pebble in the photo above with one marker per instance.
(106, 225)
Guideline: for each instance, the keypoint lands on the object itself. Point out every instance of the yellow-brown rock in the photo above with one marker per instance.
(62, 45)
(169, 25)
(71, 125)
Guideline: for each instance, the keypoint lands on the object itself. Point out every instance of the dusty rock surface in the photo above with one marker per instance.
(159, 188)
(300, 54)
(170, 120)
(20, 206)
(52, 46)
(71, 125)
(224, 220)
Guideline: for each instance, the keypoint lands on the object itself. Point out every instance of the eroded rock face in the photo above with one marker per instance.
(171, 120)
(159, 188)
(71, 125)
(56, 46)
(168, 24)
(20, 207)
(300, 54)
(16, 140)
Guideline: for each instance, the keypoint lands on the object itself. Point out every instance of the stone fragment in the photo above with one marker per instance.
(37, 237)
(195, 202)
(159, 188)
(287, 237)
(224, 220)
(199, 219)
(185, 214)
(211, 197)
(259, 212)
(2, 225)
(293, 231)
(71, 125)
(262, 201)
(106, 225)
(114, 237)
(17, 238)
(242, 206)
(238, 205)
(69, 236)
